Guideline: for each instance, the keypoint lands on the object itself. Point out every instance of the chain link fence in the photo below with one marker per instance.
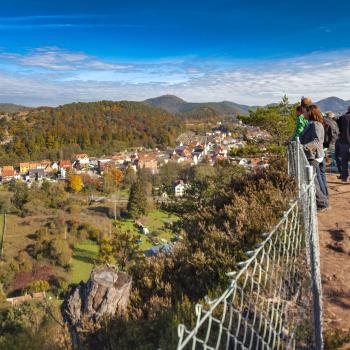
(274, 298)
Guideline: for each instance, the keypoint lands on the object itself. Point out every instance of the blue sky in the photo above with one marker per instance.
(252, 52)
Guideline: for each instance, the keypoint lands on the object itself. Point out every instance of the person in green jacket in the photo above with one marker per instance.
(301, 123)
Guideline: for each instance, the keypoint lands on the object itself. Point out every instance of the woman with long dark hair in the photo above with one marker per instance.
(312, 139)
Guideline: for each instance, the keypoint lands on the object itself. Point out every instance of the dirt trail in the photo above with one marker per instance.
(334, 231)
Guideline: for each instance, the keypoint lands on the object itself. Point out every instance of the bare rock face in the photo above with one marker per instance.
(105, 294)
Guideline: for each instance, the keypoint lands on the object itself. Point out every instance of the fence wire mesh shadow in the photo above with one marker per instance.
(270, 303)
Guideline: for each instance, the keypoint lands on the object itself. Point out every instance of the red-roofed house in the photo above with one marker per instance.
(35, 165)
(148, 161)
(64, 165)
(82, 158)
(120, 158)
(46, 165)
(7, 173)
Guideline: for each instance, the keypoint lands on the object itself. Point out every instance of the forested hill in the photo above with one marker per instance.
(96, 127)
(11, 108)
(176, 105)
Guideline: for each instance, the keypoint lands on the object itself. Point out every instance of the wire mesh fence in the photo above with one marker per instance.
(297, 164)
(273, 300)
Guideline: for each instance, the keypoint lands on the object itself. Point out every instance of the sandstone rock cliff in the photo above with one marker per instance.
(105, 294)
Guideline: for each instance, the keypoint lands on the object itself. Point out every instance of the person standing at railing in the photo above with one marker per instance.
(331, 133)
(304, 103)
(335, 134)
(312, 140)
(300, 124)
(344, 144)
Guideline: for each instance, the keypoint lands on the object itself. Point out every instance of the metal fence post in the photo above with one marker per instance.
(298, 164)
(315, 262)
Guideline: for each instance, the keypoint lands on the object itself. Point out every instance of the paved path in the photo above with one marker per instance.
(334, 231)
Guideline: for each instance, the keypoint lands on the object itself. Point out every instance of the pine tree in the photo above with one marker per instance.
(137, 204)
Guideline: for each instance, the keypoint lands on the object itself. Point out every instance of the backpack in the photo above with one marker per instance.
(331, 131)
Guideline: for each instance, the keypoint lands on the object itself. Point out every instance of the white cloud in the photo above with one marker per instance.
(56, 59)
(70, 76)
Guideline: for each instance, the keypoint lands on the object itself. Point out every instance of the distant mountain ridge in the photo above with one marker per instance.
(334, 104)
(176, 105)
(11, 108)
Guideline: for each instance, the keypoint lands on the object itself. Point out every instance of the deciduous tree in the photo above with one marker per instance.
(75, 183)
(105, 255)
(112, 179)
(124, 247)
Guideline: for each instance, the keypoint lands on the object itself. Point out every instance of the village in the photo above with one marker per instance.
(191, 149)
(98, 210)
(153, 233)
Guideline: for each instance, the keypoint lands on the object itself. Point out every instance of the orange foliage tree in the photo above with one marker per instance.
(112, 179)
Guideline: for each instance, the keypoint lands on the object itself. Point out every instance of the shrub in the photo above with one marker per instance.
(74, 209)
(94, 233)
(82, 234)
(156, 233)
(60, 251)
(38, 286)
(59, 286)
(25, 261)
(2, 295)
(334, 339)
(35, 207)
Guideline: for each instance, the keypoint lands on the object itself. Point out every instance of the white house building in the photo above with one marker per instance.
(180, 188)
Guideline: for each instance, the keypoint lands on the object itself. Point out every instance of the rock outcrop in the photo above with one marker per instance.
(105, 294)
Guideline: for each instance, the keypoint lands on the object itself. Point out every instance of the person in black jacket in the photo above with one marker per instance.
(344, 144)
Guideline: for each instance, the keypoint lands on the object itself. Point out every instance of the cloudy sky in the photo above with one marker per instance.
(252, 52)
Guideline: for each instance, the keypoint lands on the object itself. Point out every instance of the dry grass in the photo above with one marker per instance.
(17, 231)
(1, 228)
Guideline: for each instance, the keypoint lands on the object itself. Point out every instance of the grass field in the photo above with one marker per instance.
(84, 256)
(154, 221)
(19, 234)
(128, 225)
(85, 253)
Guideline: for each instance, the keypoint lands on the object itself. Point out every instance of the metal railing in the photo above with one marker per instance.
(274, 298)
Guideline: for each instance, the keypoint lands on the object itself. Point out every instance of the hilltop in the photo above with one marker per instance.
(11, 108)
(176, 105)
(334, 104)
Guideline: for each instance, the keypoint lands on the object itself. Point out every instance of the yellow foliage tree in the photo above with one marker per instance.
(76, 183)
(106, 251)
